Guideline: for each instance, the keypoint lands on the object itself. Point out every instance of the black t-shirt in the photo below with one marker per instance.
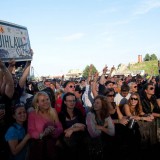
(102, 89)
(6, 103)
(6, 121)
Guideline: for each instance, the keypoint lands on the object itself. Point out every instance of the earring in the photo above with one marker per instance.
(36, 108)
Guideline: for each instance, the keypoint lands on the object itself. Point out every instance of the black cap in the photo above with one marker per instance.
(77, 88)
(125, 87)
(107, 82)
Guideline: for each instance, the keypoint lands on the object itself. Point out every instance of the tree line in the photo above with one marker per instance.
(149, 57)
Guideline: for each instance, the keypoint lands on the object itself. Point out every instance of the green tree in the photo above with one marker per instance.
(147, 57)
(153, 57)
(86, 70)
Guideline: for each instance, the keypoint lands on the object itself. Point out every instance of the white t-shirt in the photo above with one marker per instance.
(120, 100)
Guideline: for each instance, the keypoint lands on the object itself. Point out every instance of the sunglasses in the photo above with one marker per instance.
(151, 88)
(71, 86)
(135, 86)
(134, 99)
(110, 95)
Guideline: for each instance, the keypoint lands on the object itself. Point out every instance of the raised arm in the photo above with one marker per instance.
(94, 85)
(25, 74)
(11, 66)
(111, 71)
(89, 74)
(102, 78)
(6, 81)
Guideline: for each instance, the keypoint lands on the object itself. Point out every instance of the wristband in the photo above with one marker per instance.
(41, 136)
(73, 126)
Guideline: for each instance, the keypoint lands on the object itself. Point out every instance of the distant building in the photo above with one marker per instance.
(139, 58)
(74, 73)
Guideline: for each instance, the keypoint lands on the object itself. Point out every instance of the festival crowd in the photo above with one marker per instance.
(96, 118)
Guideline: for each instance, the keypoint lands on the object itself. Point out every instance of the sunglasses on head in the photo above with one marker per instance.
(110, 95)
(151, 88)
(21, 104)
(71, 86)
(134, 99)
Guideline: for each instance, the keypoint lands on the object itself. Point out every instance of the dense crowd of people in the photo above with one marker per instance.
(97, 117)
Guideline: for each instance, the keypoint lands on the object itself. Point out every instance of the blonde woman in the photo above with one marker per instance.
(43, 124)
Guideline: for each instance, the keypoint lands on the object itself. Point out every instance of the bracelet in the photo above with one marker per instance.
(41, 136)
(117, 120)
(73, 126)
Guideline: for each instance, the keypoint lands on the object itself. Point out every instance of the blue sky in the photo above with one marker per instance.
(70, 34)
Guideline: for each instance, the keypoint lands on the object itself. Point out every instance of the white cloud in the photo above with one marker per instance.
(73, 37)
(120, 22)
(147, 6)
(109, 10)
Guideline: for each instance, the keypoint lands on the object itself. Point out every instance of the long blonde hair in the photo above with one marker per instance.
(35, 100)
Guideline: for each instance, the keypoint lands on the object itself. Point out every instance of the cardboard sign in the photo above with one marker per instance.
(14, 42)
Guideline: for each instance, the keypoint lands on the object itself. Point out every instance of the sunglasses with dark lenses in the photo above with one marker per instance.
(135, 86)
(134, 99)
(71, 86)
(151, 88)
(110, 95)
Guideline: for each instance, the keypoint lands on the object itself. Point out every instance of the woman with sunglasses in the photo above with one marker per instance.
(133, 109)
(140, 122)
(151, 106)
(150, 103)
(69, 87)
(123, 135)
(115, 112)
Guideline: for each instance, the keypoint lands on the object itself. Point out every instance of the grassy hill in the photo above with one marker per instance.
(150, 67)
